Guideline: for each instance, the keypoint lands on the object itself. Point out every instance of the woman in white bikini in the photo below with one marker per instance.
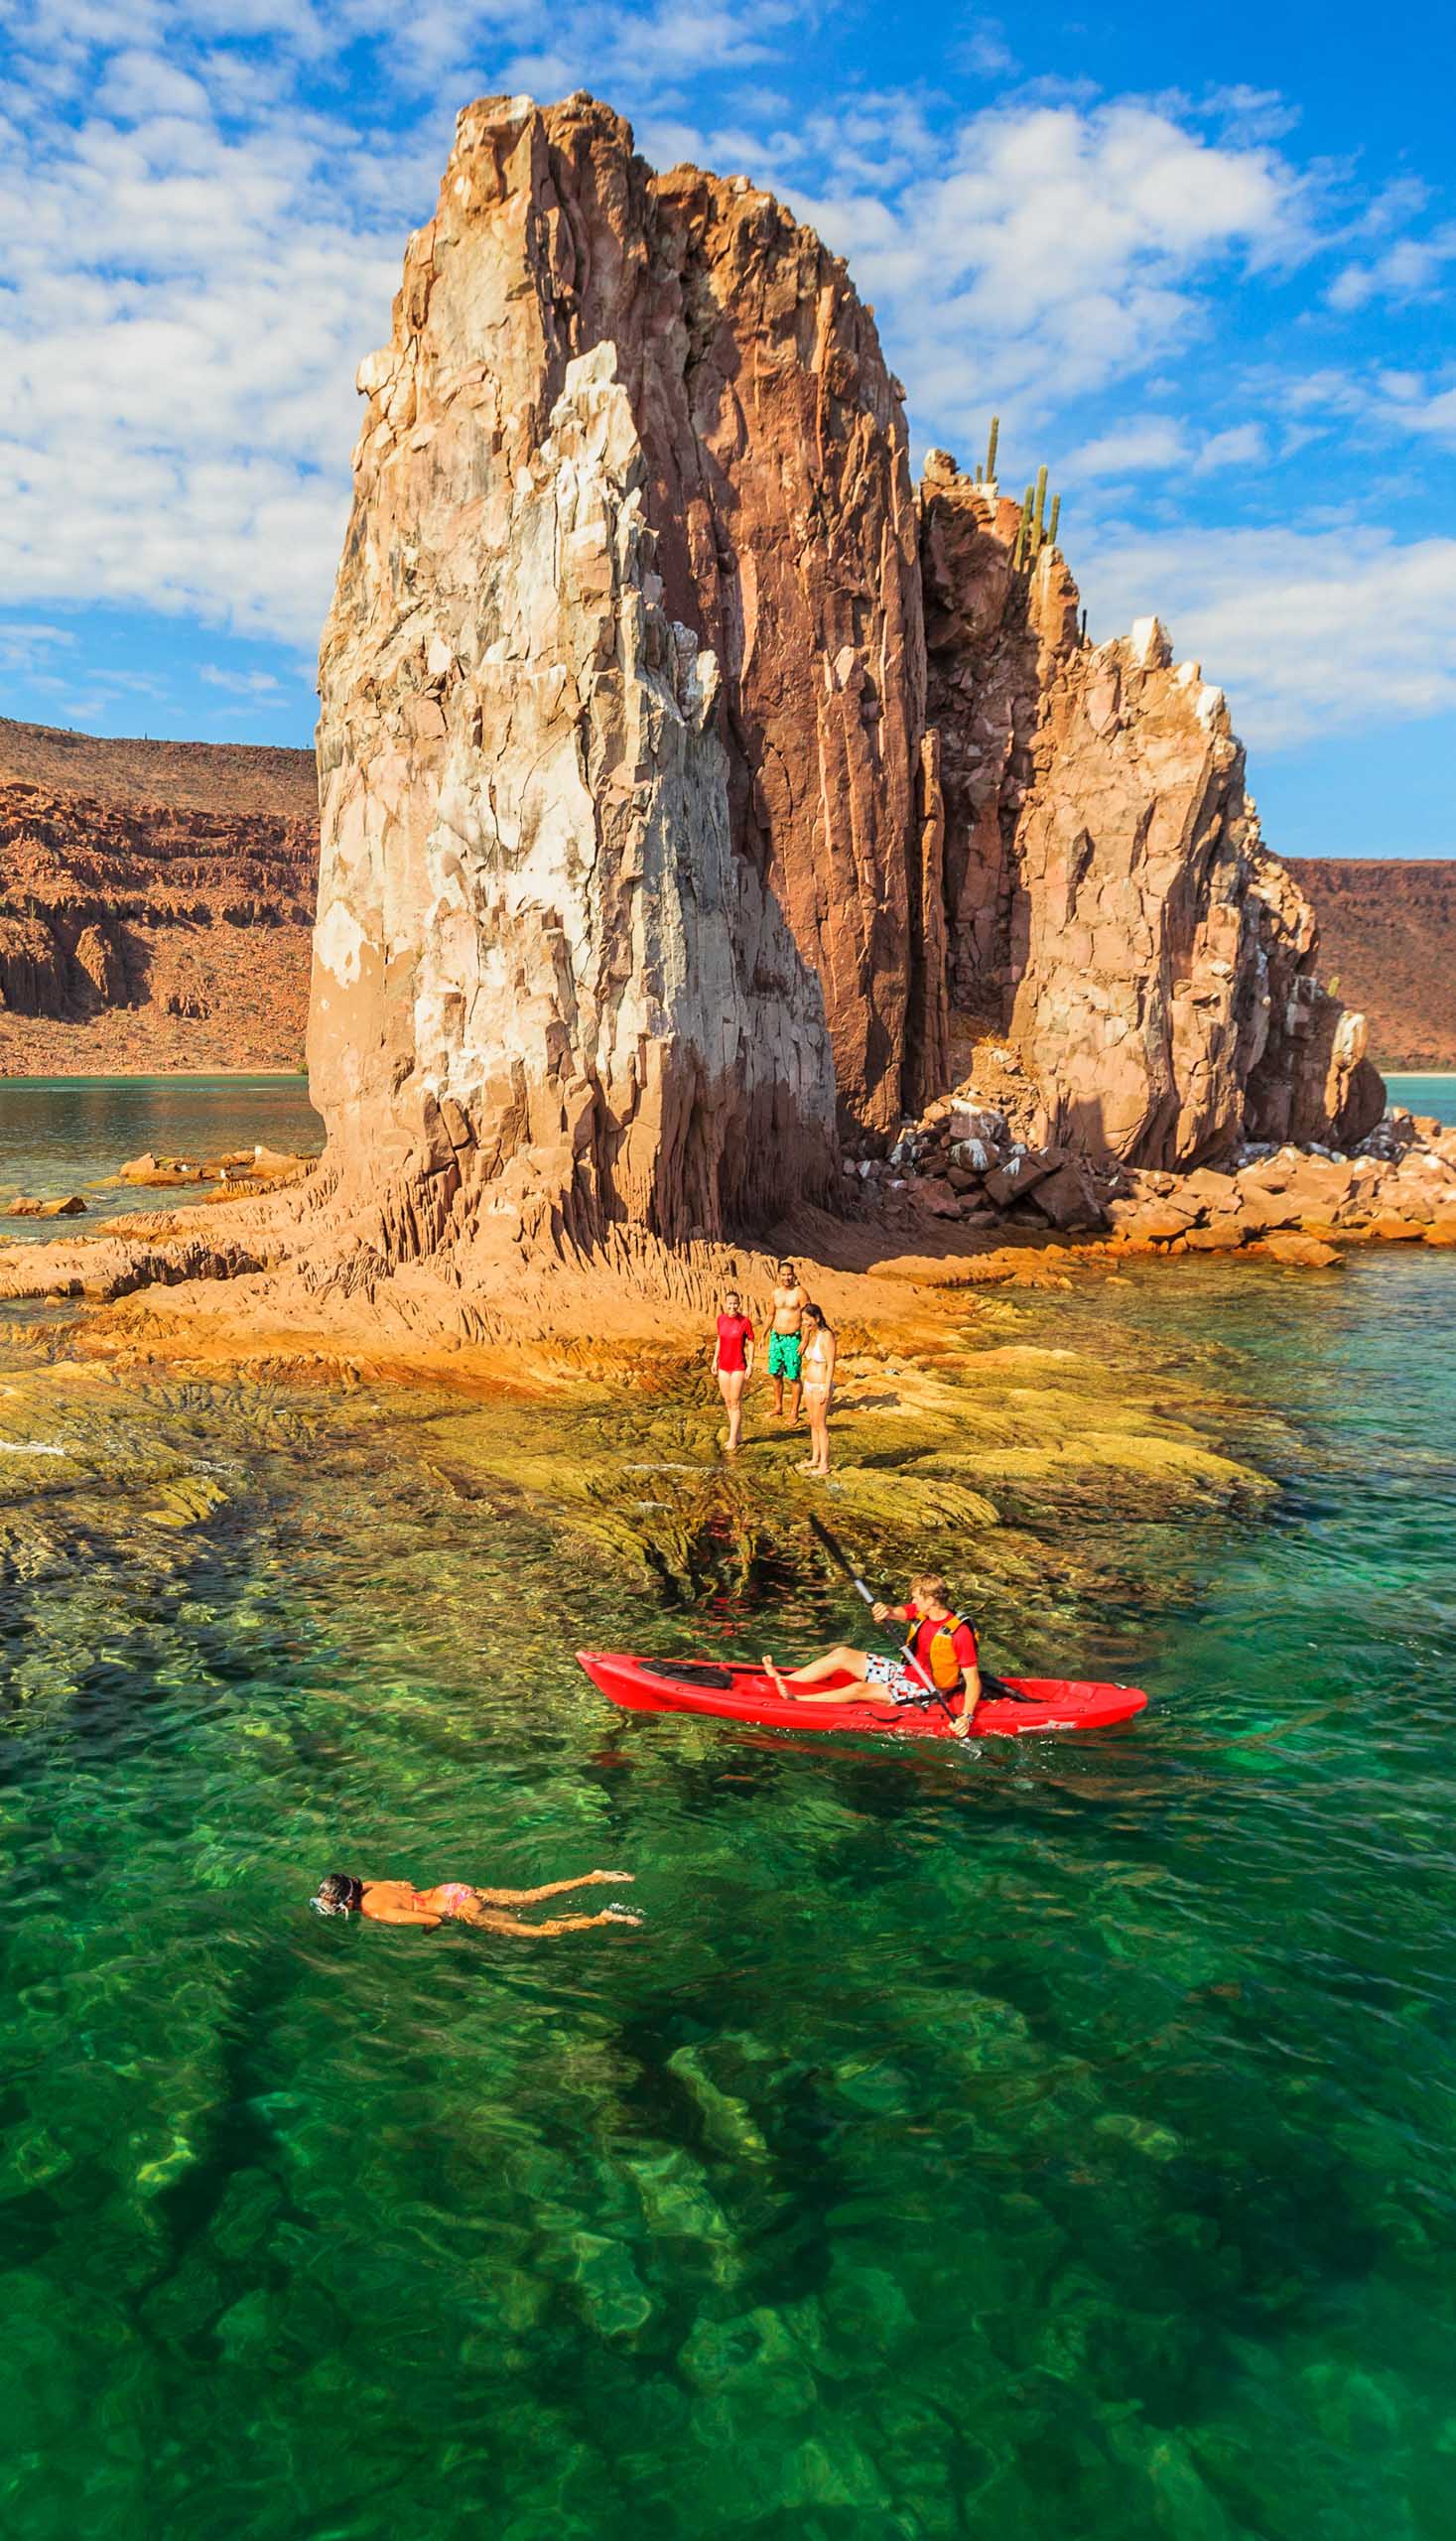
(817, 1365)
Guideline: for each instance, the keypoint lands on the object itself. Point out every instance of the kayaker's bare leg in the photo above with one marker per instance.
(840, 1662)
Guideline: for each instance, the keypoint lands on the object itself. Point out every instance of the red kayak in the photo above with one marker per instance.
(722, 1690)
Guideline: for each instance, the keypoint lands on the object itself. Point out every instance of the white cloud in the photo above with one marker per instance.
(1153, 442)
(1312, 632)
(1055, 249)
(1149, 444)
(255, 684)
(24, 643)
(1241, 445)
(183, 314)
(1410, 269)
(195, 253)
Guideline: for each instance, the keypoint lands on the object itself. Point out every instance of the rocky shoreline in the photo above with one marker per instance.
(964, 1164)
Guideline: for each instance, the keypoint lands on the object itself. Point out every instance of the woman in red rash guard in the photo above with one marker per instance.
(732, 1361)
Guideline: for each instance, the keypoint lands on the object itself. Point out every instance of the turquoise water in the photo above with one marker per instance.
(1035, 2140)
(60, 1135)
(1433, 1096)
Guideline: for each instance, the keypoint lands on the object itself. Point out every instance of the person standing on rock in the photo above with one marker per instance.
(819, 1352)
(786, 1342)
(732, 1361)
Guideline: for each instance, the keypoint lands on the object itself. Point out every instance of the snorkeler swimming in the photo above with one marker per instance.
(394, 1901)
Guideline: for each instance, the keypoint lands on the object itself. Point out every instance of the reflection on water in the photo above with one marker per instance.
(60, 1135)
(1036, 2139)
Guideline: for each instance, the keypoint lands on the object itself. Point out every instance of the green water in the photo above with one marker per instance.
(60, 1135)
(1033, 2140)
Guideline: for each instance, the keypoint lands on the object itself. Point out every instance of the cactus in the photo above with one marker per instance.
(1021, 552)
(1056, 514)
(977, 471)
(1037, 518)
(1082, 631)
(996, 430)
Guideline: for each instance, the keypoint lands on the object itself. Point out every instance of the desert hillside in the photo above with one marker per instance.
(1387, 936)
(156, 902)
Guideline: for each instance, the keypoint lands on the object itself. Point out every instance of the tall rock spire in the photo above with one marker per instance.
(631, 825)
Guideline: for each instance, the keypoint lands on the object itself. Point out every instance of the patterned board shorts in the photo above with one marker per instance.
(896, 1679)
(785, 1355)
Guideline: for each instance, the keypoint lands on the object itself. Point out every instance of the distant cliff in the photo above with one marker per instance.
(156, 902)
(1387, 936)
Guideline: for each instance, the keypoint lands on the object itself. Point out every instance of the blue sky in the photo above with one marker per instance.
(1202, 263)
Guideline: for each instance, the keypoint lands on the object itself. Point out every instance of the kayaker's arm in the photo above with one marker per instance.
(885, 1614)
(970, 1689)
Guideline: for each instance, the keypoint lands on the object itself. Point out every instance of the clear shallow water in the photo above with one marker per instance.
(1037, 2140)
(60, 1135)
(1433, 1096)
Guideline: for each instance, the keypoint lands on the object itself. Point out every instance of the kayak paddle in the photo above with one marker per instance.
(838, 1555)
(989, 1684)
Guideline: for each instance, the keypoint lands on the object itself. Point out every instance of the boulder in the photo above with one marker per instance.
(1301, 1252)
(1208, 1192)
(1389, 1227)
(1223, 1235)
(1068, 1198)
(73, 1206)
(1156, 1224)
(1020, 1174)
(939, 1198)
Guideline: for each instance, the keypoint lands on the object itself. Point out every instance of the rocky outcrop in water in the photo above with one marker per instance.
(1113, 911)
(155, 903)
(690, 789)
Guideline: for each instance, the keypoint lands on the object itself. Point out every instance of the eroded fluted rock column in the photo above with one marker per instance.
(542, 957)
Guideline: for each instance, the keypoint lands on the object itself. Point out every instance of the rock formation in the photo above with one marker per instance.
(684, 776)
(1113, 911)
(626, 788)
(155, 903)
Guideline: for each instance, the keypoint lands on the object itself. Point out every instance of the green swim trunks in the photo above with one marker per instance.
(785, 1351)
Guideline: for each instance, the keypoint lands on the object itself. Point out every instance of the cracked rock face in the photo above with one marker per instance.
(630, 822)
(1112, 910)
(682, 771)
(537, 958)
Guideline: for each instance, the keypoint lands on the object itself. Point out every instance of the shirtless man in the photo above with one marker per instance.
(786, 1342)
(394, 1901)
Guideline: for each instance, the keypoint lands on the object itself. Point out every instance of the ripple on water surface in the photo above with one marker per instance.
(1036, 2139)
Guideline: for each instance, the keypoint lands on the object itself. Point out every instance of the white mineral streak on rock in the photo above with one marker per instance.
(530, 908)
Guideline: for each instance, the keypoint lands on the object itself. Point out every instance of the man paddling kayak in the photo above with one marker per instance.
(940, 1661)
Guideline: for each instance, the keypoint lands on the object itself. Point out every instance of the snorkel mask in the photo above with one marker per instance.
(345, 1894)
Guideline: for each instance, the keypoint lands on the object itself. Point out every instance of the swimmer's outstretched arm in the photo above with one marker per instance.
(555, 1888)
(484, 1921)
(403, 1914)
